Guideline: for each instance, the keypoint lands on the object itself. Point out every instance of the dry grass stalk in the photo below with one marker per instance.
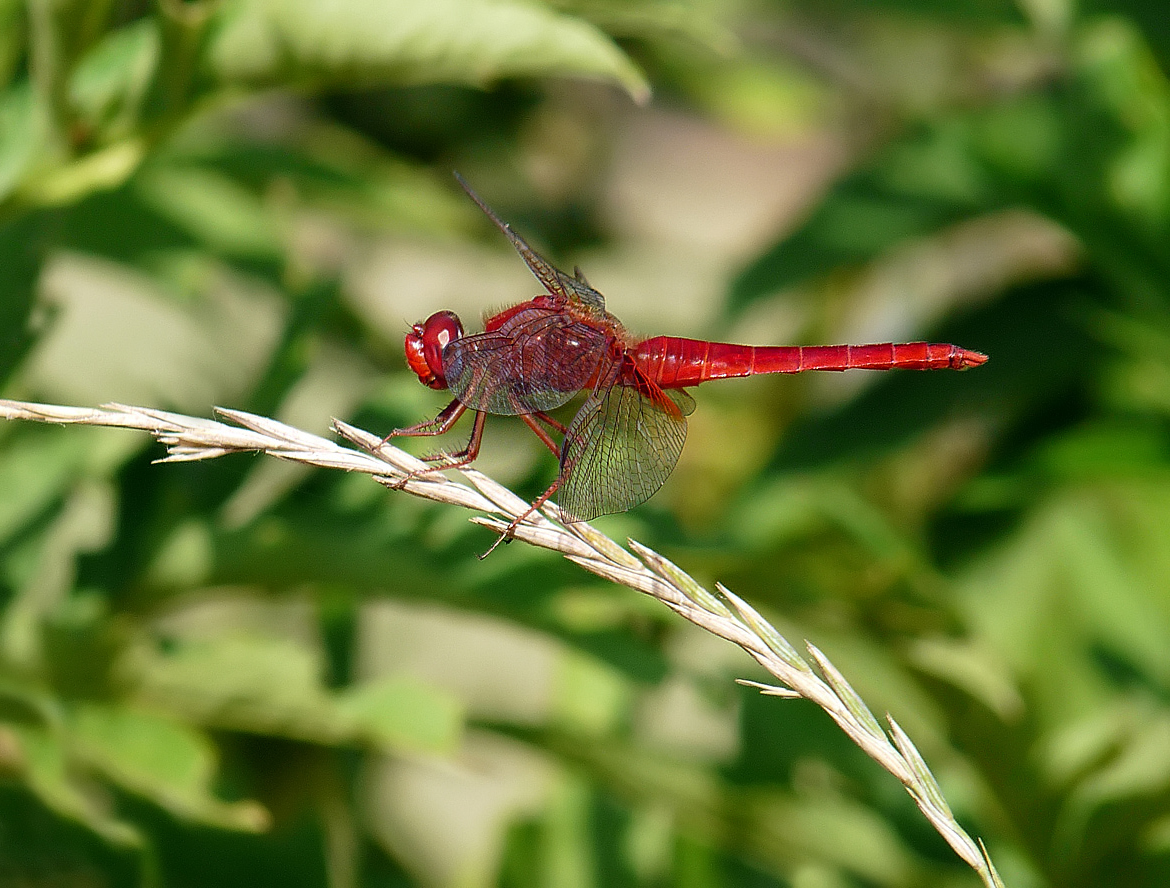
(726, 615)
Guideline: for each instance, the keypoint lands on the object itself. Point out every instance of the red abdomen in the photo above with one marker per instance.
(673, 362)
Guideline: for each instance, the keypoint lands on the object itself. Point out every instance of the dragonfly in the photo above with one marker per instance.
(628, 434)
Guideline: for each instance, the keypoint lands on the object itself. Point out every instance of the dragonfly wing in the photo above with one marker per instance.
(580, 292)
(555, 281)
(621, 447)
(536, 361)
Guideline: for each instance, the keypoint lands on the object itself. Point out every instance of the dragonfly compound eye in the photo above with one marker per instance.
(425, 343)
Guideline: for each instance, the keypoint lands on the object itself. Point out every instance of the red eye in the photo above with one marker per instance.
(425, 343)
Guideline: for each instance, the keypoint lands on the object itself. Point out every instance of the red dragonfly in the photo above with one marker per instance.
(628, 434)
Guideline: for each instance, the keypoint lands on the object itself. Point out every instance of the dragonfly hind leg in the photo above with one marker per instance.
(545, 437)
(530, 419)
(509, 532)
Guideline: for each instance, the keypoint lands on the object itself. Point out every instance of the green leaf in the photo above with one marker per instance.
(1149, 15)
(12, 37)
(1140, 767)
(972, 668)
(35, 471)
(268, 686)
(47, 773)
(252, 684)
(915, 187)
(658, 19)
(21, 135)
(214, 209)
(400, 713)
(159, 759)
(365, 42)
(1123, 84)
(339, 172)
(21, 244)
(80, 644)
(112, 79)
(968, 11)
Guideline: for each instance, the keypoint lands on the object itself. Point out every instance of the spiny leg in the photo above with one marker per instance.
(471, 451)
(509, 532)
(444, 422)
(458, 458)
(440, 425)
(530, 421)
(454, 460)
(544, 436)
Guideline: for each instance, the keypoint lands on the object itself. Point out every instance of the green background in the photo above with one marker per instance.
(246, 673)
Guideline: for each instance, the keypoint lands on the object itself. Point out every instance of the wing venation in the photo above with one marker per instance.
(621, 447)
(537, 360)
(575, 289)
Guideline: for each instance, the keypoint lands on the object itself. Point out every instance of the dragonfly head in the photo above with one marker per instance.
(425, 343)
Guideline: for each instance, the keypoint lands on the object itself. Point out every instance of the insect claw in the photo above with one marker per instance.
(505, 537)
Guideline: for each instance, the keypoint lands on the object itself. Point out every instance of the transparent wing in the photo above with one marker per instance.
(621, 447)
(536, 361)
(555, 281)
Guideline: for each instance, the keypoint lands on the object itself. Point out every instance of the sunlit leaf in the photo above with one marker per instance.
(399, 713)
(113, 77)
(355, 42)
(48, 774)
(214, 209)
(160, 759)
(659, 19)
(21, 135)
(1149, 14)
(266, 686)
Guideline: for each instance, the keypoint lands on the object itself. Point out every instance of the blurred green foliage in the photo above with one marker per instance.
(238, 673)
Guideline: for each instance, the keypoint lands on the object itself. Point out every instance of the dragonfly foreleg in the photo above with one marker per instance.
(454, 459)
(440, 425)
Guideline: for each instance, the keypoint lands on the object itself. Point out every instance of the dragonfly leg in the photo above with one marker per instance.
(541, 433)
(453, 460)
(509, 532)
(549, 421)
(530, 421)
(440, 425)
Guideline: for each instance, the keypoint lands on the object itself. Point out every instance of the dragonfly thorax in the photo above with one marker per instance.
(425, 343)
